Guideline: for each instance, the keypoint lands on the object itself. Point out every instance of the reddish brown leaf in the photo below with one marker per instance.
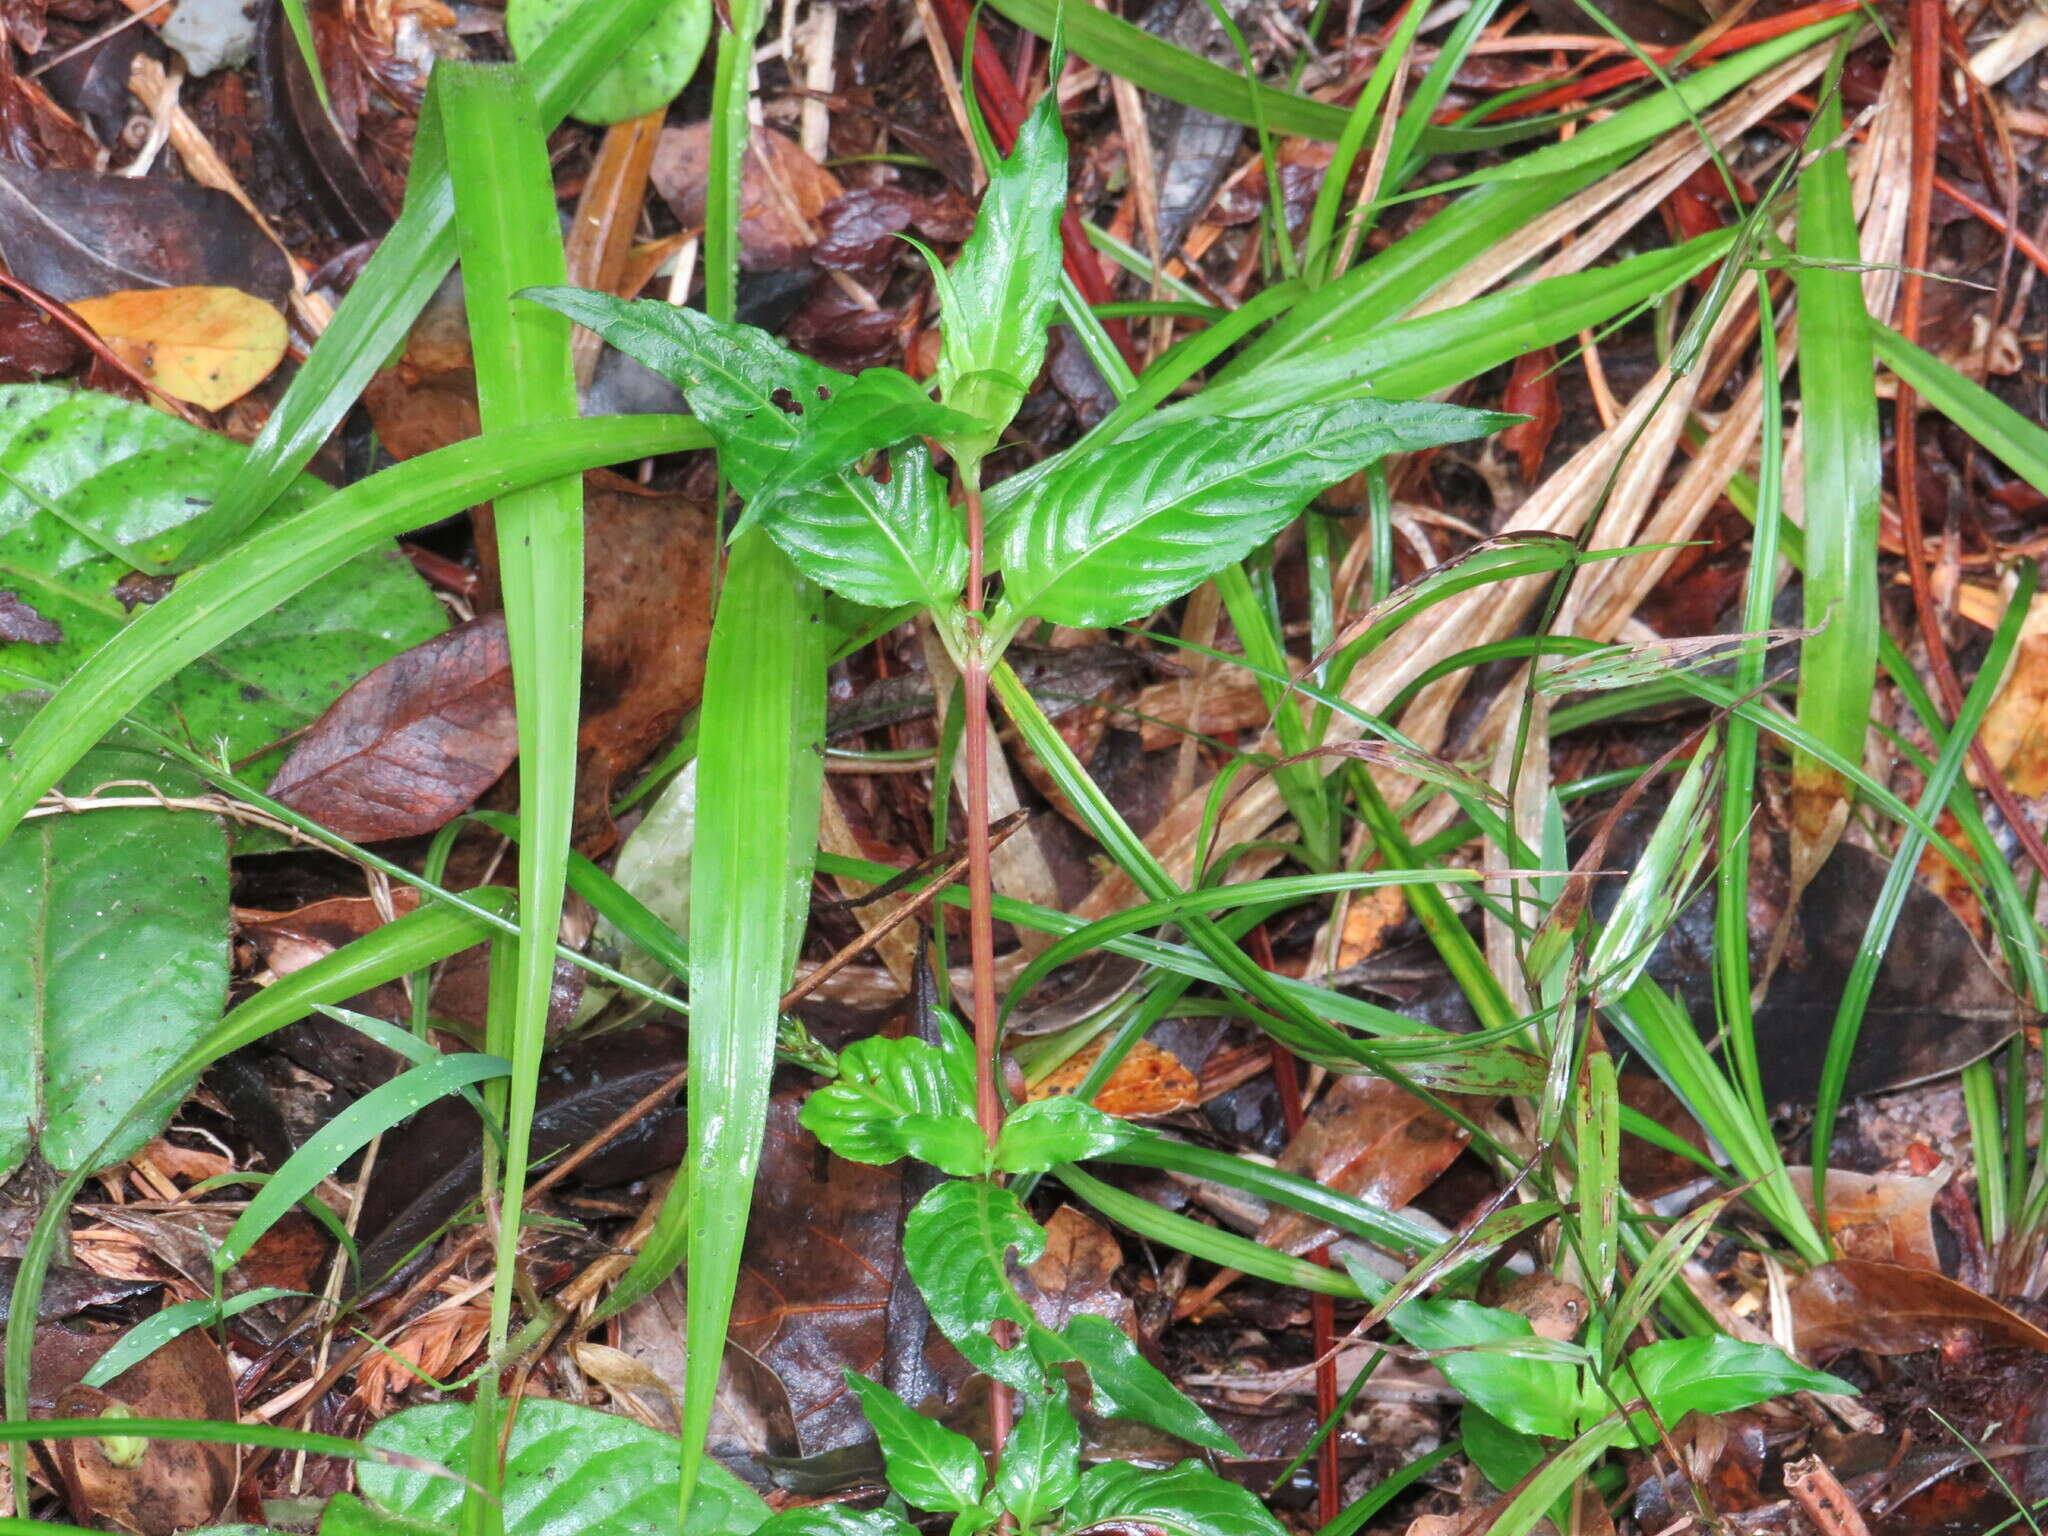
(782, 194)
(1148, 1081)
(1886, 1217)
(1889, 1309)
(1532, 392)
(411, 746)
(1366, 1138)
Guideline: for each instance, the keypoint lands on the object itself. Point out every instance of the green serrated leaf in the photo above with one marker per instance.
(1058, 1130)
(930, 1465)
(648, 74)
(899, 1098)
(1187, 1500)
(1041, 1461)
(1128, 1386)
(1525, 1391)
(882, 544)
(1122, 530)
(113, 958)
(1001, 293)
(567, 1468)
(956, 1243)
(100, 494)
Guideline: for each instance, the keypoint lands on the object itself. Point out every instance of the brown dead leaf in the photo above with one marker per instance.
(1076, 1274)
(1149, 1081)
(1885, 1217)
(1369, 1138)
(173, 1485)
(2016, 726)
(411, 746)
(1889, 1309)
(205, 346)
(1370, 917)
(1228, 700)
(783, 192)
(436, 1344)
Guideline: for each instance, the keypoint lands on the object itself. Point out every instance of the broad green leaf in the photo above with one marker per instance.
(412, 259)
(899, 1098)
(100, 493)
(956, 1242)
(567, 1468)
(649, 73)
(1841, 472)
(1505, 1455)
(113, 959)
(1716, 1374)
(1134, 525)
(237, 598)
(1524, 1391)
(1058, 1130)
(930, 1465)
(878, 544)
(1187, 1500)
(880, 408)
(1041, 1461)
(1000, 295)
(834, 1520)
(1128, 1386)
(348, 1515)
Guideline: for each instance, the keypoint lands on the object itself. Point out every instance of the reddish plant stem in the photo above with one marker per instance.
(981, 927)
(1322, 1309)
(1925, 20)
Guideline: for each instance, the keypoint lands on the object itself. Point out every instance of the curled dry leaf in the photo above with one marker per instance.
(205, 346)
(1889, 1309)
(1886, 1217)
(411, 746)
(781, 196)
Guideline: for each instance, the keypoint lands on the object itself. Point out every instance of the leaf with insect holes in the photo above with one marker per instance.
(999, 296)
(647, 75)
(901, 1098)
(1041, 1461)
(930, 1465)
(1121, 530)
(1187, 1500)
(956, 1243)
(1128, 1386)
(1495, 1358)
(879, 543)
(879, 409)
(1058, 1130)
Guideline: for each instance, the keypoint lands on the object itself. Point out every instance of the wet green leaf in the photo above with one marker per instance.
(930, 1465)
(651, 71)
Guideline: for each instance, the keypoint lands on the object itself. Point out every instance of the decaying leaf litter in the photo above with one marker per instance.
(1486, 882)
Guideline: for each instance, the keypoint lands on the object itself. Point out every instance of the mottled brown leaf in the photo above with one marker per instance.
(23, 625)
(411, 746)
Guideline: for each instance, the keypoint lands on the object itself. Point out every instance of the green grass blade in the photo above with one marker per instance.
(729, 134)
(212, 603)
(159, 1328)
(1841, 475)
(1891, 899)
(2021, 444)
(759, 776)
(371, 322)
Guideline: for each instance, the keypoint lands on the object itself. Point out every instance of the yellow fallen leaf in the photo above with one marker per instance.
(205, 346)
(2016, 728)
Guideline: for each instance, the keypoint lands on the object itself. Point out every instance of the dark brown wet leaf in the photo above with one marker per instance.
(1369, 1138)
(33, 346)
(783, 192)
(174, 1485)
(857, 231)
(431, 1168)
(410, 747)
(1076, 1274)
(74, 235)
(68, 1290)
(327, 162)
(1888, 1309)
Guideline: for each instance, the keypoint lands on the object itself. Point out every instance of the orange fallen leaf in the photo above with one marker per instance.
(1149, 1081)
(205, 346)
(2016, 727)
